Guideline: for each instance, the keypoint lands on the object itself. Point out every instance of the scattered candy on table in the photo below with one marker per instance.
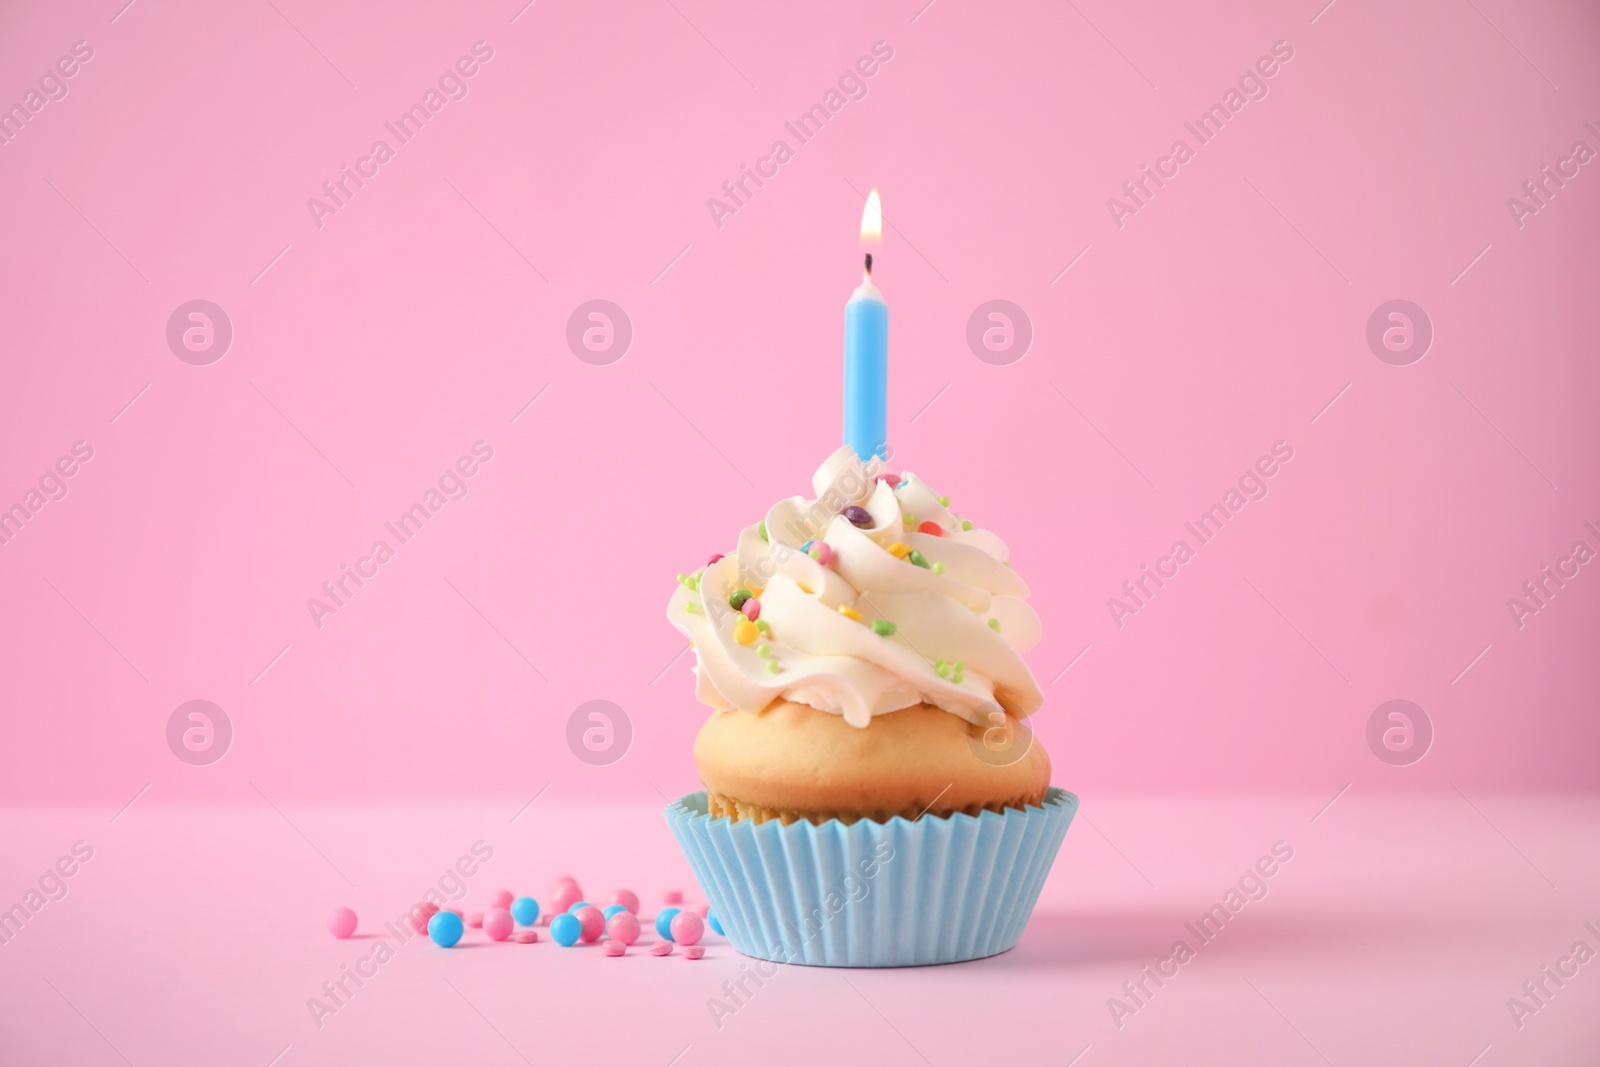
(614, 948)
(591, 923)
(445, 928)
(475, 920)
(623, 927)
(664, 921)
(579, 906)
(702, 910)
(687, 928)
(612, 909)
(497, 923)
(525, 937)
(564, 894)
(627, 898)
(565, 929)
(525, 910)
(502, 899)
(694, 952)
(713, 922)
(661, 948)
(342, 923)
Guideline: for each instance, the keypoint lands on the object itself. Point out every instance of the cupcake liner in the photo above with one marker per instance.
(938, 889)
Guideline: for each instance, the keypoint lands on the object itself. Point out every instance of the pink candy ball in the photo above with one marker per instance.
(592, 923)
(661, 948)
(627, 898)
(563, 895)
(342, 923)
(687, 928)
(623, 927)
(497, 923)
(502, 899)
(615, 948)
(673, 896)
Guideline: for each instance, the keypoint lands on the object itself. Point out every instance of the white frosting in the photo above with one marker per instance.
(829, 660)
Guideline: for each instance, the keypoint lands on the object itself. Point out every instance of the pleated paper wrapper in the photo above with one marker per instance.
(938, 889)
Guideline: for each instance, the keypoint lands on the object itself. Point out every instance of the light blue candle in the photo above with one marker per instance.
(866, 370)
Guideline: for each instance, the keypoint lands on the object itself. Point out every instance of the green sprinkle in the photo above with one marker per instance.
(944, 501)
(966, 524)
(761, 625)
(737, 600)
(692, 608)
(937, 568)
(918, 558)
(908, 519)
(683, 579)
(994, 624)
(773, 666)
(941, 668)
(693, 583)
(761, 528)
(960, 666)
(882, 627)
(763, 651)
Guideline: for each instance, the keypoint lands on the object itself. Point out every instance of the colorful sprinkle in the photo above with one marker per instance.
(909, 520)
(752, 609)
(883, 627)
(941, 668)
(944, 501)
(994, 624)
(715, 556)
(937, 568)
(736, 601)
(761, 529)
(858, 516)
(744, 632)
(892, 479)
(966, 524)
(692, 608)
(899, 550)
(918, 558)
(762, 626)
(931, 527)
(773, 667)
(850, 613)
(764, 650)
(822, 553)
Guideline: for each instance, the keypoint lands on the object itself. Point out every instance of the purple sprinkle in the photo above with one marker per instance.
(858, 516)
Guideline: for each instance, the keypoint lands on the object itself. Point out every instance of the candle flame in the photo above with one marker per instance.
(872, 222)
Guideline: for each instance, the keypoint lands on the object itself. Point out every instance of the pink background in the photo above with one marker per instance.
(426, 315)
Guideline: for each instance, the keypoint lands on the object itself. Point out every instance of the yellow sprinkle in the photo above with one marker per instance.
(899, 550)
(756, 591)
(744, 632)
(804, 588)
(850, 613)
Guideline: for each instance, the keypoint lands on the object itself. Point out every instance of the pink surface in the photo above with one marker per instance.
(372, 347)
(1394, 934)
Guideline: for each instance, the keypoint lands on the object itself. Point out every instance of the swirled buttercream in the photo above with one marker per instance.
(862, 613)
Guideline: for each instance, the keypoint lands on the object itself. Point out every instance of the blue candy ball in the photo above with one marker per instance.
(565, 928)
(664, 923)
(711, 921)
(579, 905)
(445, 928)
(525, 910)
(612, 910)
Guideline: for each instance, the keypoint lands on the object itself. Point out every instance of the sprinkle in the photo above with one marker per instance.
(807, 546)
(764, 650)
(918, 558)
(683, 579)
(822, 553)
(693, 583)
(736, 601)
(994, 624)
(744, 632)
(883, 627)
(773, 666)
(761, 529)
(892, 479)
(858, 516)
(909, 520)
(944, 501)
(941, 668)
(937, 568)
(713, 559)
(966, 524)
(763, 626)
(931, 527)
(899, 550)
(958, 672)
(850, 613)
(752, 609)
(692, 608)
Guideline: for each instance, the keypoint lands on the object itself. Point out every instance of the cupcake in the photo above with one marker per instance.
(873, 794)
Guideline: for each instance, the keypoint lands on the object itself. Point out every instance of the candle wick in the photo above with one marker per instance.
(869, 263)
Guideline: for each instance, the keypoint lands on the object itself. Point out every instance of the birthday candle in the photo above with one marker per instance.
(866, 351)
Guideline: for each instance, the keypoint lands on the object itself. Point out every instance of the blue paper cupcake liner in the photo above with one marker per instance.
(938, 889)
